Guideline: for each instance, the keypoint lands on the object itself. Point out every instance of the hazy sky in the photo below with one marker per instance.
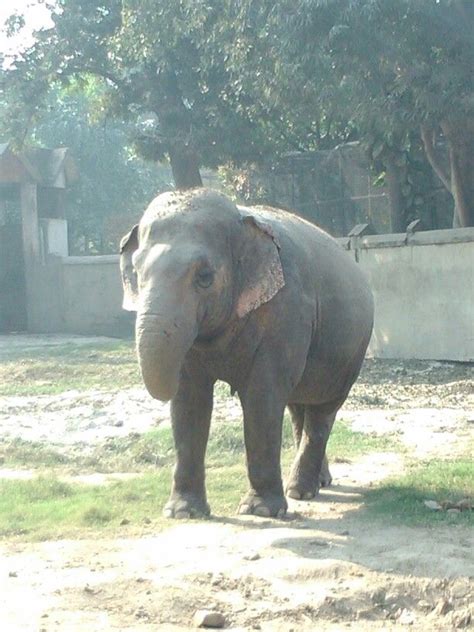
(36, 15)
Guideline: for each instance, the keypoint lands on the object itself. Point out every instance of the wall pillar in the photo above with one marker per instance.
(31, 244)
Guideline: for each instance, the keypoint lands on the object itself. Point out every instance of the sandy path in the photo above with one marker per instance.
(324, 568)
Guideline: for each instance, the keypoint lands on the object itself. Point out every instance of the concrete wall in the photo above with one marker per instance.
(80, 295)
(423, 286)
(92, 296)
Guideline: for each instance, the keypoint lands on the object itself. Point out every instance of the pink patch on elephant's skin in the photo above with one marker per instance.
(271, 281)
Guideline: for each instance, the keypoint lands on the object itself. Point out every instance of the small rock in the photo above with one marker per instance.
(406, 617)
(118, 423)
(378, 596)
(466, 504)
(252, 557)
(12, 574)
(365, 613)
(124, 522)
(432, 504)
(89, 590)
(462, 619)
(209, 619)
(442, 607)
(147, 520)
(141, 613)
(424, 605)
(458, 591)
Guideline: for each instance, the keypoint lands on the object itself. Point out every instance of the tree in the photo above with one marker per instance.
(163, 70)
(391, 68)
(114, 185)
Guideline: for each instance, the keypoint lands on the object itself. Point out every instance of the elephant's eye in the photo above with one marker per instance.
(205, 278)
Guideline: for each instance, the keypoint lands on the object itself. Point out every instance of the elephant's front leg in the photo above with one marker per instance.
(263, 412)
(191, 411)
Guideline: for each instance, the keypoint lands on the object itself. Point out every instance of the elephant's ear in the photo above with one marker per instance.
(128, 245)
(260, 265)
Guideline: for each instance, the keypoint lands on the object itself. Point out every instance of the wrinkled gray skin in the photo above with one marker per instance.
(263, 300)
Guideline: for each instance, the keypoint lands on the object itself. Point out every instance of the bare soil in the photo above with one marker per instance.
(323, 568)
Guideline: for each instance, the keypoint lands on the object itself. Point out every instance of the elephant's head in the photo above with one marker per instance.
(194, 264)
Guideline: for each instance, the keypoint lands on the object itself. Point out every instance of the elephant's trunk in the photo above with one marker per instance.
(162, 344)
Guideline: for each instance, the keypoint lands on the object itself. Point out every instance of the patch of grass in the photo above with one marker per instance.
(46, 507)
(346, 443)
(17, 452)
(140, 453)
(225, 487)
(50, 370)
(53, 370)
(136, 452)
(401, 498)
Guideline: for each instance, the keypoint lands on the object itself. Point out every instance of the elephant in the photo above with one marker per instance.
(259, 298)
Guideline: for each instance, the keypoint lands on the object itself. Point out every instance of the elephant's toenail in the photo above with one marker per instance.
(182, 515)
(293, 493)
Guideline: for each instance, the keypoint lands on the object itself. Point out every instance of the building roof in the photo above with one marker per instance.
(47, 167)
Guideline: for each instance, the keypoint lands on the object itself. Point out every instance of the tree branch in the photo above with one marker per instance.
(427, 135)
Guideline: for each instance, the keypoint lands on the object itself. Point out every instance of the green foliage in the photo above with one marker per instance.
(163, 69)
(114, 185)
(221, 81)
(392, 70)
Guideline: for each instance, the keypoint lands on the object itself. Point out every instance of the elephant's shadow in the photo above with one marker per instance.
(353, 535)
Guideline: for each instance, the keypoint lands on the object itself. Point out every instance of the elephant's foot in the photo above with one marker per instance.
(325, 478)
(301, 492)
(268, 506)
(302, 488)
(183, 506)
(303, 484)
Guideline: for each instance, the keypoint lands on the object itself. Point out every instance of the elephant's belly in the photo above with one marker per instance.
(324, 382)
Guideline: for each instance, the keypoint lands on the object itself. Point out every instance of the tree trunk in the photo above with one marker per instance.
(459, 135)
(394, 184)
(185, 167)
(460, 138)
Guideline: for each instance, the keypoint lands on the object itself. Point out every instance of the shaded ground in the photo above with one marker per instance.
(326, 567)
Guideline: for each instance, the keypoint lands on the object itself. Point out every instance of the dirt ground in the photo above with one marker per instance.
(323, 568)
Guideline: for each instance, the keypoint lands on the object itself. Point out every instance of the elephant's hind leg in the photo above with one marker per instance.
(310, 469)
(297, 421)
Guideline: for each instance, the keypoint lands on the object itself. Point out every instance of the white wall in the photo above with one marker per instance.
(423, 286)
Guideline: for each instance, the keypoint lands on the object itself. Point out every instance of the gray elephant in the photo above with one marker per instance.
(263, 300)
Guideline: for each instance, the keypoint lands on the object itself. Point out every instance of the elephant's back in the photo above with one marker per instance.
(318, 256)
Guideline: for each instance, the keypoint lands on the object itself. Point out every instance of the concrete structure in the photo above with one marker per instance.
(32, 189)
(423, 285)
